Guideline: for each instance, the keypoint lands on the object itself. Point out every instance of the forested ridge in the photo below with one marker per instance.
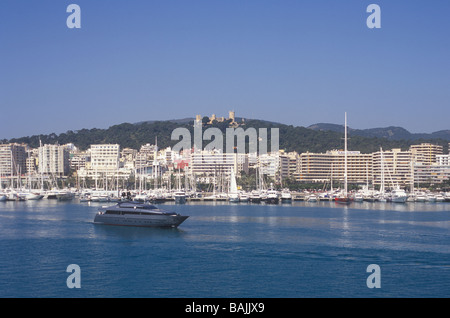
(292, 138)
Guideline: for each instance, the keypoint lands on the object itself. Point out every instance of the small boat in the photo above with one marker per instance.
(65, 195)
(420, 197)
(138, 214)
(447, 196)
(255, 197)
(243, 197)
(343, 199)
(33, 196)
(180, 197)
(358, 197)
(286, 196)
(430, 197)
(399, 195)
(272, 196)
(440, 198)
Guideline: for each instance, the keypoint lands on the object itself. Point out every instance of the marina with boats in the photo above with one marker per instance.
(263, 196)
(158, 176)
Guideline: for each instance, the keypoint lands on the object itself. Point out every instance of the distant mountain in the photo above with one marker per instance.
(390, 133)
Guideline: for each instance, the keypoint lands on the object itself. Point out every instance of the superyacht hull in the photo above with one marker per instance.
(138, 214)
(140, 220)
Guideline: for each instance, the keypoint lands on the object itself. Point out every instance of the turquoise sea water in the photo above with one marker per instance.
(228, 250)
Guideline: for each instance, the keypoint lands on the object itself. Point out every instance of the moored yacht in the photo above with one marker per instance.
(358, 197)
(420, 197)
(286, 196)
(33, 196)
(255, 197)
(180, 197)
(243, 197)
(311, 198)
(138, 214)
(399, 195)
(440, 197)
(272, 196)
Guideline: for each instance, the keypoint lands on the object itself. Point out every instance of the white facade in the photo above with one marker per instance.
(269, 164)
(105, 158)
(443, 160)
(213, 162)
(53, 159)
(12, 160)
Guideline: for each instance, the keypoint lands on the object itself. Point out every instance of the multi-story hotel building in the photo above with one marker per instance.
(393, 166)
(12, 160)
(209, 163)
(105, 158)
(330, 166)
(426, 153)
(431, 174)
(53, 159)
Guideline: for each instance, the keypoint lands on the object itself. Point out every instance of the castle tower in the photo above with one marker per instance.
(231, 116)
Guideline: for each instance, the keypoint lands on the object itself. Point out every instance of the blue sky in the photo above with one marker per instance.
(295, 62)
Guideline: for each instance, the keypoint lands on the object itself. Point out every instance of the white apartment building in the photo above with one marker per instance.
(393, 166)
(209, 163)
(430, 174)
(269, 164)
(443, 160)
(105, 158)
(426, 153)
(53, 159)
(330, 167)
(12, 160)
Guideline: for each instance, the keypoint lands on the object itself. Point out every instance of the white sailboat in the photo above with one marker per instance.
(179, 195)
(2, 195)
(343, 197)
(233, 194)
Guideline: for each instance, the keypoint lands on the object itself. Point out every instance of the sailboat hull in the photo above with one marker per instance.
(343, 200)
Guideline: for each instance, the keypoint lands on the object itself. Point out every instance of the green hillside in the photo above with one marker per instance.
(292, 138)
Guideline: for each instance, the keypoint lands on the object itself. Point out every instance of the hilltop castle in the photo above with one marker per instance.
(231, 117)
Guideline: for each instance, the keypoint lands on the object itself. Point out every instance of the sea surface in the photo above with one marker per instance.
(228, 250)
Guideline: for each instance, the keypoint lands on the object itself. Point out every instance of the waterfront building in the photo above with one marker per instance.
(105, 158)
(32, 161)
(269, 164)
(53, 160)
(315, 167)
(214, 162)
(330, 167)
(443, 160)
(12, 159)
(430, 174)
(78, 159)
(128, 155)
(394, 167)
(288, 166)
(426, 153)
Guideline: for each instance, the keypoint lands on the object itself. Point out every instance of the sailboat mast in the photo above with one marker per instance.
(345, 156)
